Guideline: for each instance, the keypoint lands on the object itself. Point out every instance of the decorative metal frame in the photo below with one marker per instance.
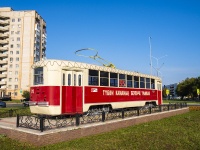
(42, 123)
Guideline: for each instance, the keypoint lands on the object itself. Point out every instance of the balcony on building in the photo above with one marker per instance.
(4, 17)
(4, 35)
(3, 62)
(4, 41)
(3, 49)
(4, 55)
(44, 35)
(43, 46)
(3, 75)
(5, 28)
(3, 68)
(4, 22)
(3, 82)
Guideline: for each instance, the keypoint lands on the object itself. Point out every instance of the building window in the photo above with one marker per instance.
(17, 65)
(12, 26)
(16, 86)
(17, 58)
(19, 25)
(18, 45)
(10, 72)
(16, 79)
(11, 46)
(12, 39)
(15, 93)
(10, 66)
(9, 86)
(12, 32)
(10, 79)
(18, 32)
(11, 59)
(11, 52)
(19, 19)
(16, 72)
(17, 52)
(18, 38)
(13, 20)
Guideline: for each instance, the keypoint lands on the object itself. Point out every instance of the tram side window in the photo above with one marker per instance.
(159, 86)
(69, 79)
(79, 80)
(122, 80)
(142, 82)
(103, 78)
(148, 83)
(113, 79)
(63, 79)
(38, 76)
(93, 77)
(136, 82)
(152, 84)
(129, 81)
(74, 79)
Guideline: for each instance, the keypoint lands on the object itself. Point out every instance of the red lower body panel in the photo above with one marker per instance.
(108, 94)
(72, 99)
(50, 94)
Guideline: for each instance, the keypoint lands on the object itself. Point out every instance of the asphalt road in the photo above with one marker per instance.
(14, 105)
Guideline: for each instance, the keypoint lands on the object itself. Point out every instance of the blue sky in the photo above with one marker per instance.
(120, 31)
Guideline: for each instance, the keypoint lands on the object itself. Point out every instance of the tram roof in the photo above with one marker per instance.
(65, 64)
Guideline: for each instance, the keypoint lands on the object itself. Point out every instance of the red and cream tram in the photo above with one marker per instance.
(66, 87)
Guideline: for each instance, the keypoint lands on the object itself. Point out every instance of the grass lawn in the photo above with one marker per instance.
(13, 101)
(4, 112)
(177, 132)
(181, 101)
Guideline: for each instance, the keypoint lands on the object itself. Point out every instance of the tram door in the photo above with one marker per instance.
(159, 93)
(72, 92)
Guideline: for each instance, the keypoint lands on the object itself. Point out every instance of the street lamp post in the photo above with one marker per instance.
(157, 68)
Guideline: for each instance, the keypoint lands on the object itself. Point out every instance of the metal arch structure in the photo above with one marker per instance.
(95, 57)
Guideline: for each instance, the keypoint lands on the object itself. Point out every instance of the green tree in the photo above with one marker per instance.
(164, 94)
(26, 94)
(198, 82)
(188, 87)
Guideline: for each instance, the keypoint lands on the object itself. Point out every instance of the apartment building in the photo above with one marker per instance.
(172, 90)
(22, 42)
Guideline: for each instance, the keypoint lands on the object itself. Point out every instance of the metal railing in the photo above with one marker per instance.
(44, 122)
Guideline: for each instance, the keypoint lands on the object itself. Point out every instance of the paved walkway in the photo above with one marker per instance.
(11, 123)
(8, 122)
